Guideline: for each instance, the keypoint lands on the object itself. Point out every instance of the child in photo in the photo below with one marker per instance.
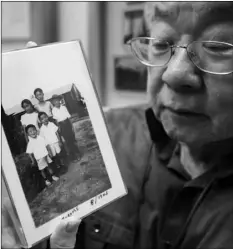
(37, 150)
(62, 117)
(49, 131)
(43, 106)
(30, 116)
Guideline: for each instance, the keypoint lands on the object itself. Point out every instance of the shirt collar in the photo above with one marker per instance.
(217, 173)
(168, 149)
(168, 152)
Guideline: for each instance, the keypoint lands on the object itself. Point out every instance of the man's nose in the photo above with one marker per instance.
(181, 74)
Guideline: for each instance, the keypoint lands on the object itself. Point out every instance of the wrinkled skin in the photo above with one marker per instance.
(180, 85)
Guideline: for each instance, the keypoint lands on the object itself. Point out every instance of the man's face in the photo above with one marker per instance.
(194, 107)
(44, 119)
(56, 103)
(40, 96)
(32, 132)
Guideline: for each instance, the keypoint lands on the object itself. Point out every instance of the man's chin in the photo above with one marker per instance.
(183, 130)
(184, 135)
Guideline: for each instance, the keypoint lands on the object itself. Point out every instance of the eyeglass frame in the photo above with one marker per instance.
(172, 47)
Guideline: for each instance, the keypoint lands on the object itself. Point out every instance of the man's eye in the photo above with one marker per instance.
(218, 48)
(160, 47)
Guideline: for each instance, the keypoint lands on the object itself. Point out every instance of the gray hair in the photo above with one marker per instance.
(171, 11)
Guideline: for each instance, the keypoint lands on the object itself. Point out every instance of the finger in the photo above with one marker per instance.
(31, 44)
(64, 235)
(72, 226)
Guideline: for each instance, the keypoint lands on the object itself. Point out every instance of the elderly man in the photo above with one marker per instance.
(180, 184)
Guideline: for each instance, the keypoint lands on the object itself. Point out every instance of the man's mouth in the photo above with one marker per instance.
(182, 112)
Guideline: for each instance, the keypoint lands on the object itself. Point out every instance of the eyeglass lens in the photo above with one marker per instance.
(216, 57)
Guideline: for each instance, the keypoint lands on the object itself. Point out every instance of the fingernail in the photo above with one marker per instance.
(72, 226)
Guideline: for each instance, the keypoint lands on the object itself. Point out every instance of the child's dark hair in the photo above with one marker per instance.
(38, 90)
(26, 101)
(41, 113)
(30, 126)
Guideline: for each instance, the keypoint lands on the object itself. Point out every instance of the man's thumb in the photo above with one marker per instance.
(64, 235)
(72, 226)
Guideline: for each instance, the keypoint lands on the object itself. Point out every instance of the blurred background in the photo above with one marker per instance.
(104, 29)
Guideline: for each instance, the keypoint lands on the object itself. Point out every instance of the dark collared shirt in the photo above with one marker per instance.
(195, 213)
(164, 208)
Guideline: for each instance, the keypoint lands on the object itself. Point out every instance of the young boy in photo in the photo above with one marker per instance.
(43, 106)
(49, 131)
(37, 150)
(62, 117)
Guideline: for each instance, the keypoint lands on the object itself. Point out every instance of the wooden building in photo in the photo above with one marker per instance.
(71, 98)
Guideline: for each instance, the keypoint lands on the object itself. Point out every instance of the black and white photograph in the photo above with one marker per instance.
(50, 133)
(52, 140)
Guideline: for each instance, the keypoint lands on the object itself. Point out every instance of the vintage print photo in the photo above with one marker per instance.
(55, 151)
(48, 121)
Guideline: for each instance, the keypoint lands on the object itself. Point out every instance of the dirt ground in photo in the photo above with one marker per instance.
(81, 181)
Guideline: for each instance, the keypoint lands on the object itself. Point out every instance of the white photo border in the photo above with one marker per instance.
(75, 54)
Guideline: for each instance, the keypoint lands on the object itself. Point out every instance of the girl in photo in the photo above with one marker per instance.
(30, 116)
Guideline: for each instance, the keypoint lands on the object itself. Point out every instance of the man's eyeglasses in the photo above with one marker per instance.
(209, 56)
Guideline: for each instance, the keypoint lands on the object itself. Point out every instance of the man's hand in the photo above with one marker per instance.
(64, 235)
